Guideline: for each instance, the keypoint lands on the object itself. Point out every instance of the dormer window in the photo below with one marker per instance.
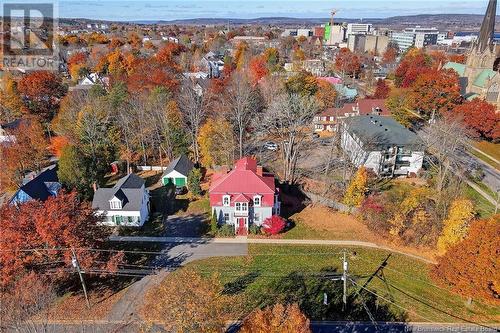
(257, 201)
(115, 203)
(226, 200)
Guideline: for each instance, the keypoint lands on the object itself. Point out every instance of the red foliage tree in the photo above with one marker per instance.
(435, 91)
(258, 69)
(151, 74)
(382, 90)
(389, 55)
(57, 143)
(471, 267)
(55, 225)
(481, 117)
(42, 91)
(273, 225)
(413, 64)
(459, 58)
(347, 62)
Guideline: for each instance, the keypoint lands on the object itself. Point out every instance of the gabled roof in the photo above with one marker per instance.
(38, 187)
(181, 164)
(244, 179)
(128, 189)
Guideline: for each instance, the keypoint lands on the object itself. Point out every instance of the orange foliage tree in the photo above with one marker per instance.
(57, 143)
(414, 63)
(42, 91)
(76, 63)
(326, 94)
(258, 69)
(25, 154)
(389, 55)
(55, 225)
(382, 90)
(347, 62)
(481, 117)
(459, 58)
(472, 267)
(277, 319)
(435, 91)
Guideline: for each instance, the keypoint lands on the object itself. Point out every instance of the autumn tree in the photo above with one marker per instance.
(302, 83)
(243, 102)
(481, 117)
(77, 65)
(272, 58)
(257, 68)
(456, 225)
(212, 134)
(26, 153)
(414, 63)
(10, 100)
(41, 92)
(277, 319)
(326, 94)
(58, 223)
(241, 55)
(188, 302)
(357, 189)
(471, 267)
(390, 55)
(435, 93)
(458, 58)
(382, 90)
(194, 181)
(398, 105)
(347, 62)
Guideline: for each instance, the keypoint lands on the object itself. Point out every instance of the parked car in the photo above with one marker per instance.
(180, 190)
(271, 146)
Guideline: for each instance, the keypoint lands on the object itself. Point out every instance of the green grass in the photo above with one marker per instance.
(303, 231)
(483, 207)
(490, 148)
(485, 159)
(268, 265)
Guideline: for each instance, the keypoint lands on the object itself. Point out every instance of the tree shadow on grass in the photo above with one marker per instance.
(308, 290)
(240, 284)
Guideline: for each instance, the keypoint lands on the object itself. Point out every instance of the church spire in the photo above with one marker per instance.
(488, 27)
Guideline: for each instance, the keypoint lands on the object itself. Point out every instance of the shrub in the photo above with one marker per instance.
(213, 223)
(227, 230)
(254, 229)
(273, 225)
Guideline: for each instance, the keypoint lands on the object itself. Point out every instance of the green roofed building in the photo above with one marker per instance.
(479, 77)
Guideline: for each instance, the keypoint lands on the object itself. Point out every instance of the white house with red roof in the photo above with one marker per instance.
(243, 196)
(328, 119)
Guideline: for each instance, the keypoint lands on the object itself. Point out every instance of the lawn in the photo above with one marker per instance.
(485, 159)
(483, 207)
(278, 272)
(492, 149)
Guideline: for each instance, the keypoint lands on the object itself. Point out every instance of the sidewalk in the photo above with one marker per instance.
(245, 240)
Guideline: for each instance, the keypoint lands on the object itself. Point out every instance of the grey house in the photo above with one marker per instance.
(126, 203)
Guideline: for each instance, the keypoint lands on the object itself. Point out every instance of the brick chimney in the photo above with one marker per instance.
(259, 170)
(94, 186)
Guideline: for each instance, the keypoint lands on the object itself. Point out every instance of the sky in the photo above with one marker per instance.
(176, 9)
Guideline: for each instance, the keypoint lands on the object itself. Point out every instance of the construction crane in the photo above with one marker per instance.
(334, 11)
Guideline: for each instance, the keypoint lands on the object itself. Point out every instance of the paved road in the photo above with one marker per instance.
(176, 255)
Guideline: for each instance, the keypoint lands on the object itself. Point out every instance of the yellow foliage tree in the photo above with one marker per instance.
(277, 319)
(357, 189)
(10, 100)
(455, 227)
(187, 302)
(410, 212)
(217, 143)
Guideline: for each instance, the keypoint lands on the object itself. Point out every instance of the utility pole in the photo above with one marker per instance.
(345, 267)
(76, 265)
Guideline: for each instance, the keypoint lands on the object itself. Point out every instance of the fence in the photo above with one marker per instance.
(329, 203)
(150, 168)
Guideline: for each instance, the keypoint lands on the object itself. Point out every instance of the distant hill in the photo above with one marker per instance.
(462, 22)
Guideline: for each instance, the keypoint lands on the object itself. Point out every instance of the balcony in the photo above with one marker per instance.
(241, 213)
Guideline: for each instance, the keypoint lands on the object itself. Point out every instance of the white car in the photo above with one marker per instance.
(271, 146)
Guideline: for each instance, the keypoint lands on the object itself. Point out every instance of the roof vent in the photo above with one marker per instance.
(386, 130)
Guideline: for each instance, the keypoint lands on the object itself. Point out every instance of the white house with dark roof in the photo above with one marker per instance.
(382, 145)
(125, 204)
(177, 172)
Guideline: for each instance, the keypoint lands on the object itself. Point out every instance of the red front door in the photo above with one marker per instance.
(242, 228)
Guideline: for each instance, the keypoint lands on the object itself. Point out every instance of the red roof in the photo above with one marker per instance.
(244, 178)
(241, 198)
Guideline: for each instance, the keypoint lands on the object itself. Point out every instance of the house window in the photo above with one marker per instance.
(115, 204)
(241, 206)
(256, 218)
(256, 201)
(226, 200)
(226, 217)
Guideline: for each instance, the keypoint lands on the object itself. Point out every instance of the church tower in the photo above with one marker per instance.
(484, 51)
